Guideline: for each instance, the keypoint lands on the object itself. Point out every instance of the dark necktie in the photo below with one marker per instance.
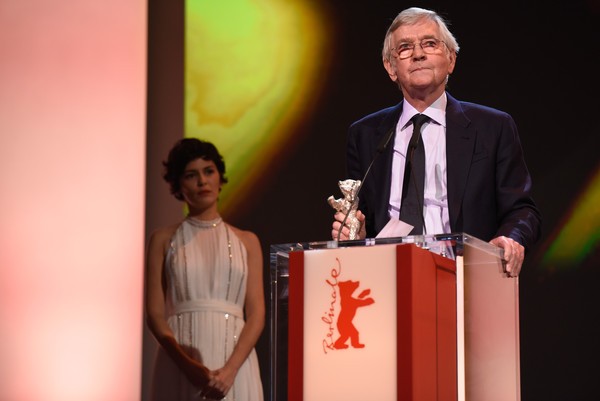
(411, 208)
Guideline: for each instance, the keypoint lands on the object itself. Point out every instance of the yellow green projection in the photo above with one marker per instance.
(580, 235)
(252, 70)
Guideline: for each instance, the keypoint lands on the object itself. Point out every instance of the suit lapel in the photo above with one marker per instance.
(382, 168)
(460, 142)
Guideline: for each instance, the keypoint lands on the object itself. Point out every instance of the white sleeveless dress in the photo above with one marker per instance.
(206, 271)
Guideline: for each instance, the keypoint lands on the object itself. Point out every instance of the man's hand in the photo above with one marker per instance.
(335, 227)
(514, 253)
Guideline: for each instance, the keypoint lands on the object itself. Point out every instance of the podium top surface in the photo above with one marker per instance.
(448, 245)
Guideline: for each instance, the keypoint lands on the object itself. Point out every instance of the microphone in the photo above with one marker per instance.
(380, 148)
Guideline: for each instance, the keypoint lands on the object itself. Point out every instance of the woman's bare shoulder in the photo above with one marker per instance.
(162, 235)
(249, 238)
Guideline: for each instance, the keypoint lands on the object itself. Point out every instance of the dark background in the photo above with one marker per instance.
(530, 59)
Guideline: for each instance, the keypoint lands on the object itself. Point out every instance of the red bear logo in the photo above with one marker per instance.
(349, 305)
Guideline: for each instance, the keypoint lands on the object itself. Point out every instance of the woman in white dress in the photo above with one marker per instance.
(204, 289)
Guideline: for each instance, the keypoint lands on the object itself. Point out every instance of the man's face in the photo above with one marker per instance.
(421, 73)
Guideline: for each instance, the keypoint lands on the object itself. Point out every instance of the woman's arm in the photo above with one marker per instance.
(196, 372)
(254, 307)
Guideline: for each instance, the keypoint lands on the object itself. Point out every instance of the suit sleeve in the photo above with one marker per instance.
(517, 214)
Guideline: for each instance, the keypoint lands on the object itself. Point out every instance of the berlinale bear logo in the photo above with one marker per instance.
(348, 308)
(349, 305)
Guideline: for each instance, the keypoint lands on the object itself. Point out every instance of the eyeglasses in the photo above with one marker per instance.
(429, 46)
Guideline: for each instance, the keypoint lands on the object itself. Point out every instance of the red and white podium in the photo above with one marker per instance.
(412, 318)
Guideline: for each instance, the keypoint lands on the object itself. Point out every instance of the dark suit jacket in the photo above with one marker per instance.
(489, 186)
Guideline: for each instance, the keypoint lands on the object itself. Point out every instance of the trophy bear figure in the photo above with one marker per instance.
(348, 204)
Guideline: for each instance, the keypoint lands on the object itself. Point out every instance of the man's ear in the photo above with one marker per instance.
(452, 62)
(387, 64)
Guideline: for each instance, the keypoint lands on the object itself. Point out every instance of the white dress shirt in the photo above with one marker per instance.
(433, 134)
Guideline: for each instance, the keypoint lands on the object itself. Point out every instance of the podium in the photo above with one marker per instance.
(412, 318)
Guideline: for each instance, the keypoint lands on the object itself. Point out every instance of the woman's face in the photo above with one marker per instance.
(200, 184)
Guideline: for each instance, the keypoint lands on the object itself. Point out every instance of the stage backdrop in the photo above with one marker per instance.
(275, 84)
(72, 149)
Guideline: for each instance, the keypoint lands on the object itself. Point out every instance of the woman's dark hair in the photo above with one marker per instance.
(185, 151)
